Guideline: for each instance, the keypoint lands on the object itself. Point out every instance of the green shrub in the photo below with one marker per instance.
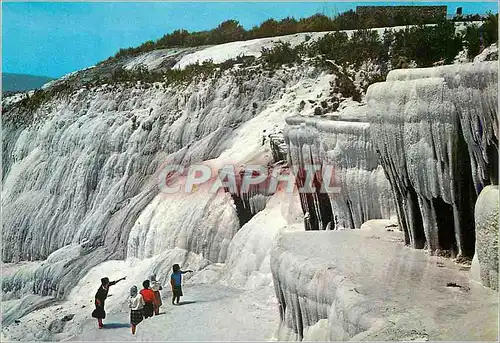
(477, 38)
(333, 46)
(472, 41)
(364, 45)
(489, 29)
(228, 31)
(279, 54)
(426, 45)
(346, 87)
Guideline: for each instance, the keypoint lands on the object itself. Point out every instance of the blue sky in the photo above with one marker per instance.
(53, 39)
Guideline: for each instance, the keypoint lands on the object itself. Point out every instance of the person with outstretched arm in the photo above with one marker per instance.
(176, 282)
(100, 297)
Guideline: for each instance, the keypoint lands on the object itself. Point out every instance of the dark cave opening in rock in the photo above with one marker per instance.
(492, 172)
(465, 198)
(414, 219)
(325, 205)
(314, 201)
(243, 212)
(445, 225)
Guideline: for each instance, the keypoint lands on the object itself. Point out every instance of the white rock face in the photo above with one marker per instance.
(197, 222)
(346, 147)
(486, 216)
(81, 198)
(442, 121)
(365, 285)
(156, 58)
(247, 265)
(87, 172)
(488, 54)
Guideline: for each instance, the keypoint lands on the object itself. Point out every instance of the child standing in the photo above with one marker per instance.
(148, 296)
(176, 282)
(156, 287)
(100, 297)
(136, 304)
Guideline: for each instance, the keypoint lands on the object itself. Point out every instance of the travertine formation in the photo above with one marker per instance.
(344, 146)
(436, 130)
(365, 285)
(88, 172)
(486, 215)
(83, 195)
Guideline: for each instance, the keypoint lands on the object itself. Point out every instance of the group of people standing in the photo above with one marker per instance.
(143, 304)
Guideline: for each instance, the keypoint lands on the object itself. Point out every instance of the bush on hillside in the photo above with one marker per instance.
(316, 23)
(477, 38)
(426, 45)
(281, 53)
(472, 41)
(489, 30)
(332, 46)
(273, 27)
(364, 45)
(228, 31)
(467, 18)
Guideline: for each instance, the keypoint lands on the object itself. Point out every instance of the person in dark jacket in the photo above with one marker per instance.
(100, 297)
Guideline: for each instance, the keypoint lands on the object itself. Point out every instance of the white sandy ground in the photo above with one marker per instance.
(206, 313)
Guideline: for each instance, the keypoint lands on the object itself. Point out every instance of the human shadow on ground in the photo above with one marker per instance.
(187, 302)
(116, 325)
(159, 314)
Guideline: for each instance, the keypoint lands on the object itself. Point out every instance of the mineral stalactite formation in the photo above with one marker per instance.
(344, 145)
(436, 131)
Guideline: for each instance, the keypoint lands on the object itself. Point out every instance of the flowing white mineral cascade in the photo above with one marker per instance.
(80, 198)
(80, 187)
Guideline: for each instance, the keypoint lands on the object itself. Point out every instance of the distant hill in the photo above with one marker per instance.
(22, 82)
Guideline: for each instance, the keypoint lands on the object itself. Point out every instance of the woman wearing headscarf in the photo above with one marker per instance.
(136, 304)
(100, 297)
(156, 288)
